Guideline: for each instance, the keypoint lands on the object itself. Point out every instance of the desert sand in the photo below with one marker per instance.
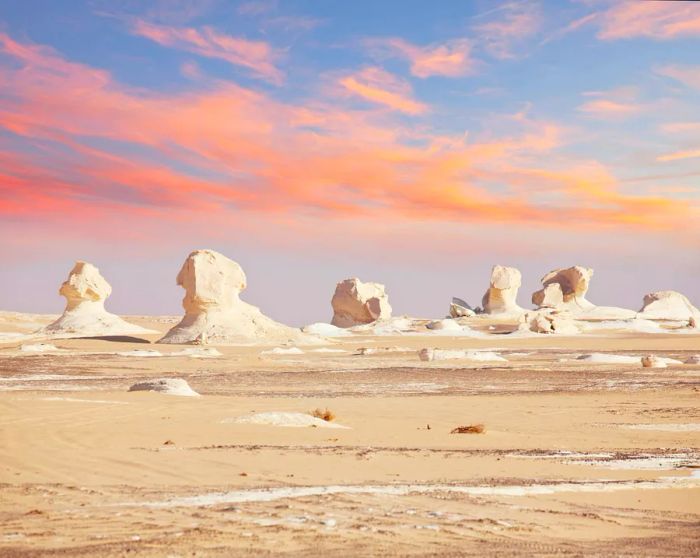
(581, 453)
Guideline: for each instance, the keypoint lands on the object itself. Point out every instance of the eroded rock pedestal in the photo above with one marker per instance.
(502, 292)
(85, 291)
(214, 312)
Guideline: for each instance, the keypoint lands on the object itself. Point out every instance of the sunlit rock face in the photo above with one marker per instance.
(565, 289)
(669, 305)
(503, 291)
(355, 303)
(214, 312)
(85, 292)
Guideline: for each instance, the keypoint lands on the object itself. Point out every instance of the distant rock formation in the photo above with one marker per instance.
(669, 305)
(460, 309)
(214, 313)
(355, 303)
(85, 315)
(502, 292)
(565, 289)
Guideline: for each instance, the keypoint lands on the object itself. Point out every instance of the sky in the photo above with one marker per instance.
(407, 142)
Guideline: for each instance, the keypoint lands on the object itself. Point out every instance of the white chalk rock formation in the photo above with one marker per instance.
(429, 355)
(460, 309)
(548, 322)
(651, 361)
(565, 289)
(669, 305)
(169, 386)
(85, 315)
(214, 313)
(355, 303)
(502, 292)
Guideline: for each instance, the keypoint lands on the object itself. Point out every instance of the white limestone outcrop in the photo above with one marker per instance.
(214, 312)
(669, 305)
(502, 292)
(565, 289)
(85, 291)
(355, 303)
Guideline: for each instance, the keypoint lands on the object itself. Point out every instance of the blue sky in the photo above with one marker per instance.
(379, 139)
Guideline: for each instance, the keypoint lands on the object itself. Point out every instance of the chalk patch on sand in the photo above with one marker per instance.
(272, 494)
(198, 352)
(325, 330)
(39, 348)
(283, 351)
(328, 350)
(143, 353)
(446, 354)
(283, 419)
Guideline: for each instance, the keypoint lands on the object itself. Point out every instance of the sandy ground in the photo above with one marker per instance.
(576, 458)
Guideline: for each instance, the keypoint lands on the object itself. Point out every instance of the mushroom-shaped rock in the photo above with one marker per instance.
(85, 291)
(502, 292)
(355, 303)
(460, 308)
(214, 313)
(669, 305)
(573, 284)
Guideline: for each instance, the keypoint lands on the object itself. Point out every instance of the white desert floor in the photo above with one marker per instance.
(578, 457)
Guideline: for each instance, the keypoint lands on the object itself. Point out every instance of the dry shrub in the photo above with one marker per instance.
(326, 414)
(471, 429)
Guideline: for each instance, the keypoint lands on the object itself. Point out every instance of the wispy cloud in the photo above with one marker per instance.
(378, 86)
(616, 103)
(687, 75)
(514, 23)
(678, 155)
(653, 19)
(256, 56)
(450, 59)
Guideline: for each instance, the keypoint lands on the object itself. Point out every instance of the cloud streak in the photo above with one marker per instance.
(257, 57)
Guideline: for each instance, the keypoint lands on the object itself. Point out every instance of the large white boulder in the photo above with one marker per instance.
(548, 322)
(565, 289)
(502, 292)
(85, 291)
(355, 303)
(214, 313)
(669, 305)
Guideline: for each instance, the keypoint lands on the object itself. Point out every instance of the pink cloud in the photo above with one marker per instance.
(257, 56)
(687, 75)
(653, 19)
(450, 59)
(678, 155)
(247, 153)
(377, 86)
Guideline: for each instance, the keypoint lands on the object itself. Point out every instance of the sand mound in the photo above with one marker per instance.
(214, 313)
(502, 292)
(284, 419)
(85, 315)
(169, 386)
(446, 354)
(355, 303)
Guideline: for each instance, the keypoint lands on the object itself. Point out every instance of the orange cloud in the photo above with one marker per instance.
(678, 155)
(256, 56)
(450, 59)
(605, 108)
(228, 151)
(654, 19)
(377, 86)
